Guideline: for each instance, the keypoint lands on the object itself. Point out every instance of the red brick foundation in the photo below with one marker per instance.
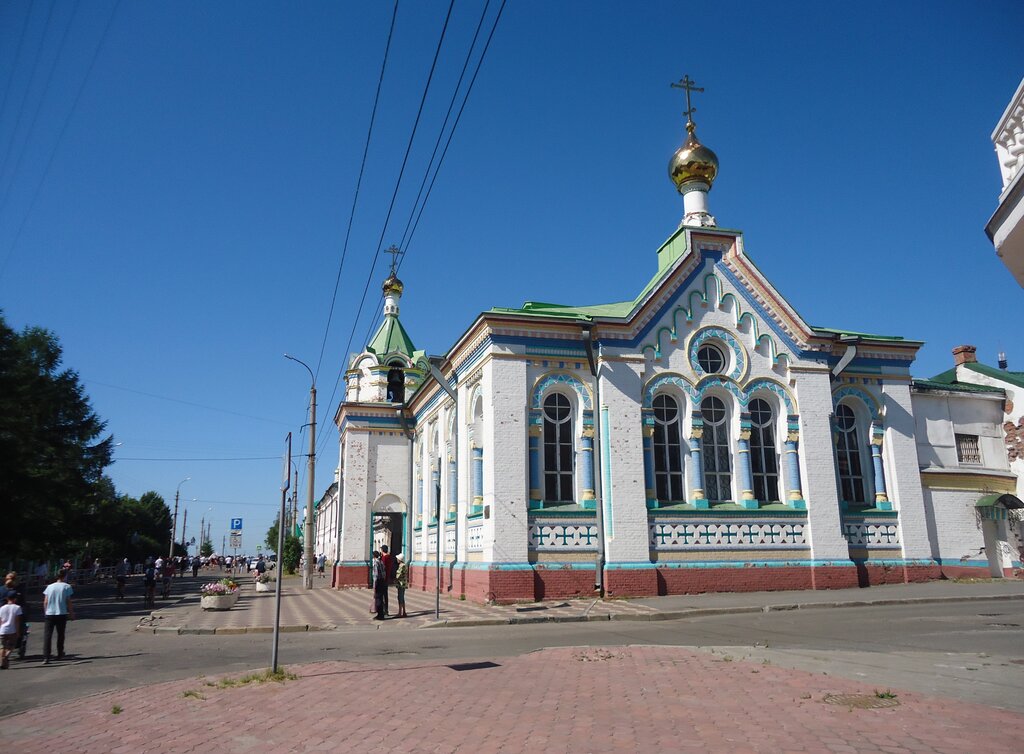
(552, 581)
(350, 575)
(700, 580)
(965, 572)
(631, 582)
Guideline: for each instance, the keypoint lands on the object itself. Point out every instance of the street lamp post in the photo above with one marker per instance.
(174, 528)
(307, 569)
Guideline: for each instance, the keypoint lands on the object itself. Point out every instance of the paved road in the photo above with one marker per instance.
(970, 651)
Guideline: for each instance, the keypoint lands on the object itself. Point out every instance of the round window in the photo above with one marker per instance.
(845, 418)
(556, 407)
(712, 410)
(710, 358)
(665, 409)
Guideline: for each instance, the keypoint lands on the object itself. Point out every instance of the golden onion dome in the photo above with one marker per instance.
(393, 285)
(693, 163)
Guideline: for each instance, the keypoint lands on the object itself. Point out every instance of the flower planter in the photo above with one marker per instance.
(268, 587)
(218, 601)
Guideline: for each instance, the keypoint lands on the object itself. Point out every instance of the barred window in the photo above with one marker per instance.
(967, 449)
(668, 450)
(763, 457)
(717, 452)
(558, 450)
(848, 456)
(710, 358)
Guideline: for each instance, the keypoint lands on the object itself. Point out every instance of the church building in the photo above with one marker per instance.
(698, 437)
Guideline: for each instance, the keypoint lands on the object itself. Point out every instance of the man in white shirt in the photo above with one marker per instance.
(10, 627)
(57, 609)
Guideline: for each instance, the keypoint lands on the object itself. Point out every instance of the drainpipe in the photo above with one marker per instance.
(407, 534)
(435, 363)
(588, 344)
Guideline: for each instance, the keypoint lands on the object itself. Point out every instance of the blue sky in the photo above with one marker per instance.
(176, 210)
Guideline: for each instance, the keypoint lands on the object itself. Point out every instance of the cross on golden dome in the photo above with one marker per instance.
(690, 86)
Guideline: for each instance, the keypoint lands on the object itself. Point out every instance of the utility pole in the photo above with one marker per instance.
(174, 528)
(307, 569)
(184, 527)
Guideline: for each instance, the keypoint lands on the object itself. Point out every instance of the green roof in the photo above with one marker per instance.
(1014, 378)
(391, 338)
(989, 501)
(853, 334)
(948, 381)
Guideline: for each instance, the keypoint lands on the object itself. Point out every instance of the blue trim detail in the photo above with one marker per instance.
(640, 566)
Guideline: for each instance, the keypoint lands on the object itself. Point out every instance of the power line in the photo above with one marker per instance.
(187, 403)
(244, 458)
(14, 61)
(359, 181)
(458, 117)
(39, 107)
(28, 89)
(437, 143)
(394, 196)
(60, 138)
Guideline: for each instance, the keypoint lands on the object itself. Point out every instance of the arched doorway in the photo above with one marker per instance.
(388, 524)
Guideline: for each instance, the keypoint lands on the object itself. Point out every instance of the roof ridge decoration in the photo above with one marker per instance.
(704, 300)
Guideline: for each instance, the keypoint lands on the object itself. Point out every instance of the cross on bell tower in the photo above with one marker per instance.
(396, 254)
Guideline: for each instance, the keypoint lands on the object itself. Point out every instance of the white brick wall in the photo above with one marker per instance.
(506, 478)
(958, 532)
(903, 478)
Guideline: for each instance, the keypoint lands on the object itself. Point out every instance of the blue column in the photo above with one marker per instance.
(795, 495)
(478, 478)
(747, 499)
(453, 486)
(649, 484)
(536, 493)
(881, 494)
(587, 468)
(435, 479)
(697, 493)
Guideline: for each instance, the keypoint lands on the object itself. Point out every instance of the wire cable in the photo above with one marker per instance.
(14, 61)
(28, 89)
(39, 106)
(394, 196)
(60, 137)
(454, 126)
(359, 181)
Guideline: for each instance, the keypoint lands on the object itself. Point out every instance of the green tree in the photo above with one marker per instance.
(51, 452)
(206, 548)
(289, 559)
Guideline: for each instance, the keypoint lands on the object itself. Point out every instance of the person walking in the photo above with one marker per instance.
(380, 586)
(10, 627)
(195, 566)
(11, 586)
(57, 609)
(388, 560)
(122, 577)
(149, 582)
(401, 583)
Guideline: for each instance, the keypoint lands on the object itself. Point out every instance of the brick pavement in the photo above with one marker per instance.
(325, 608)
(663, 699)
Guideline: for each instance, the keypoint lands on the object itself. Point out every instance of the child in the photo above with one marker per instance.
(10, 628)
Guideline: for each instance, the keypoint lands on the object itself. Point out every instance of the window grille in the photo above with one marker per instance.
(717, 453)
(668, 450)
(764, 461)
(558, 450)
(967, 449)
(848, 456)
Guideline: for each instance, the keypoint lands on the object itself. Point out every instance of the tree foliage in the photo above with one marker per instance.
(289, 558)
(56, 500)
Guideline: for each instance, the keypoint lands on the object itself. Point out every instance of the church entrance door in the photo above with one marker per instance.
(388, 529)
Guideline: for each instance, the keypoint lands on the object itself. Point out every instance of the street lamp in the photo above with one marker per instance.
(174, 528)
(307, 569)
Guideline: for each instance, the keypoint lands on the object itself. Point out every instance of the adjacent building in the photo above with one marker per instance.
(1006, 227)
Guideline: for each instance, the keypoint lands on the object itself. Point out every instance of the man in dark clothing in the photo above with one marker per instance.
(380, 585)
(388, 561)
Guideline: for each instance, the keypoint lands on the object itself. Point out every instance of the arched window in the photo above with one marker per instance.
(668, 450)
(848, 456)
(717, 452)
(396, 383)
(558, 450)
(764, 463)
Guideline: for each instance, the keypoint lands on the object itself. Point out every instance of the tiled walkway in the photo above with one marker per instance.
(326, 608)
(630, 699)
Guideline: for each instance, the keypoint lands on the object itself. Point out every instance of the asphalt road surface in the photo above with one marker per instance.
(972, 651)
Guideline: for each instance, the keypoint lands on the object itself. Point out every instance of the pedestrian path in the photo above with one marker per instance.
(323, 608)
(622, 699)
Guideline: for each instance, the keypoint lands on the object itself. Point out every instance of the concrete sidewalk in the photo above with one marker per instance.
(628, 699)
(324, 608)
